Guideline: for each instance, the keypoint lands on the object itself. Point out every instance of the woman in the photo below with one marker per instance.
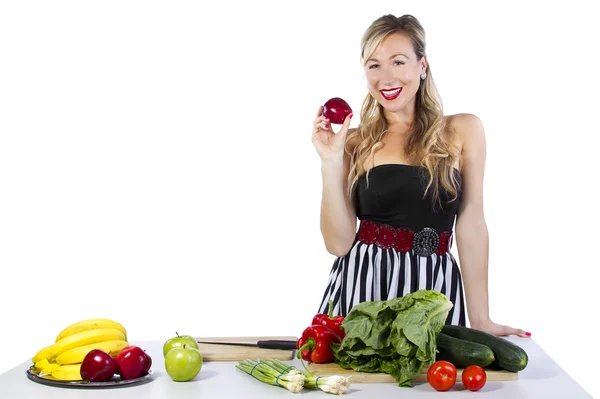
(407, 172)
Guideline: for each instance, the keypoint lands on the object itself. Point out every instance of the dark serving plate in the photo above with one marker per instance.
(115, 382)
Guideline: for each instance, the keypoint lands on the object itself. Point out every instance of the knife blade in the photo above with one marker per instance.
(264, 344)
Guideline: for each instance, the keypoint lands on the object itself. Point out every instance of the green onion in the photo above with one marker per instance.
(334, 384)
(262, 371)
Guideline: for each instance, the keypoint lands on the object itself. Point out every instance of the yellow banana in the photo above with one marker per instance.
(83, 338)
(68, 372)
(41, 364)
(42, 353)
(90, 324)
(45, 367)
(76, 355)
(49, 377)
(50, 368)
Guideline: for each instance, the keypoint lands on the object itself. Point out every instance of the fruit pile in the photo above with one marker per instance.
(94, 350)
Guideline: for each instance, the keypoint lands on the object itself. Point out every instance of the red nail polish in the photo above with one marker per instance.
(350, 116)
(528, 334)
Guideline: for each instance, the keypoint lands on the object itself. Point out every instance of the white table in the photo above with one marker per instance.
(542, 378)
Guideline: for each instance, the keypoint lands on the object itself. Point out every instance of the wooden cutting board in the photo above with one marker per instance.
(371, 378)
(212, 352)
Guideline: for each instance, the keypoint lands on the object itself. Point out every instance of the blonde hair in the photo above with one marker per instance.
(426, 145)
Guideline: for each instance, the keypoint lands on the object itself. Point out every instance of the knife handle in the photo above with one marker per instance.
(277, 344)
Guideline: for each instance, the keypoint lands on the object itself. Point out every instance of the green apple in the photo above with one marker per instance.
(178, 342)
(183, 364)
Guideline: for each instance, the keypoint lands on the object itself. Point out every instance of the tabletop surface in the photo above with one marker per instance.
(542, 378)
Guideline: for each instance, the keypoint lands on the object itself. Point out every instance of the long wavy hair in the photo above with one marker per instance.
(426, 146)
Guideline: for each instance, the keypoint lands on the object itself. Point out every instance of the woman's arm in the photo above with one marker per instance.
(471, 229)
(338, 216)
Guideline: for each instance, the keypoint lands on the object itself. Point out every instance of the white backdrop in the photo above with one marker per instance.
(156, 164)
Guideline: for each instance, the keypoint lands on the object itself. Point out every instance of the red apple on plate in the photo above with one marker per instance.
(133, 362)
(336, 110)
(98, 366)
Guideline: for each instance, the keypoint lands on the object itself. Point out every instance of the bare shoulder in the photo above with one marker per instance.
(465, 131)
(465, 128)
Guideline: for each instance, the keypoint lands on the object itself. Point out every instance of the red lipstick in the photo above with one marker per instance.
(391, 94)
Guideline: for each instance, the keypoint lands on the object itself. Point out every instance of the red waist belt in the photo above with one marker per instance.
(424, 242)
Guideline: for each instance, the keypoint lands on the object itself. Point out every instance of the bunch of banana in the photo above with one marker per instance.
(62, 360)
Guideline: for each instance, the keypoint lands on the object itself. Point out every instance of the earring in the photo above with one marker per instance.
(423, 75)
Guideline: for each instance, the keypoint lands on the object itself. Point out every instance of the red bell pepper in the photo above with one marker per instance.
(315, 344)
(328, 320)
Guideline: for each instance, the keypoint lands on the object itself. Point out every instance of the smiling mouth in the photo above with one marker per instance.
(391, 94)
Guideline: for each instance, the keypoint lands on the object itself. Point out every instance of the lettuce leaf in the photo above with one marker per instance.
(397, 336)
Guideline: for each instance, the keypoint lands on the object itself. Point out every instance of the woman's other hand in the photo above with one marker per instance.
(499, 329)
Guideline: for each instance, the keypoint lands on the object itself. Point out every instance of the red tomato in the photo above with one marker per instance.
(442, 375)
(473, 378)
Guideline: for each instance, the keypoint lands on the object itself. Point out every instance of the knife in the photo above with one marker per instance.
(265, 344)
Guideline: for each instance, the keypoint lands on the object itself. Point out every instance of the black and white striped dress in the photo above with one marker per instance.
(402, 245)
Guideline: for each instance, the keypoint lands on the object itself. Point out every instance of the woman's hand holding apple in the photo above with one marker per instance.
(330, 145)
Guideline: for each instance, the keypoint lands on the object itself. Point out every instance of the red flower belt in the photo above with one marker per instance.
(424, 242)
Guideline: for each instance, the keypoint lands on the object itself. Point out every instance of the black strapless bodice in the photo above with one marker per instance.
(395, 197)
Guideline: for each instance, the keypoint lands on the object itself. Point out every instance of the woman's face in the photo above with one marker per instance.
(393, 72)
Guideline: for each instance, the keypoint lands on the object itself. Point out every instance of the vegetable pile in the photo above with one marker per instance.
(397, 336)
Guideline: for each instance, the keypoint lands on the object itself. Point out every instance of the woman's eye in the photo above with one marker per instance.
(398, 63)
(373, 66)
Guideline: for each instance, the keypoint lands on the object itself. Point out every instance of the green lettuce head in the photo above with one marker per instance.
(397, 336)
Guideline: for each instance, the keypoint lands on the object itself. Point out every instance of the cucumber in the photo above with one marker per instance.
(509, 357)
(463, 353)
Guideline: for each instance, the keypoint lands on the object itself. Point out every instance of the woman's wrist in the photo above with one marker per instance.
(332, 168)
(332, 160)
(479, 322)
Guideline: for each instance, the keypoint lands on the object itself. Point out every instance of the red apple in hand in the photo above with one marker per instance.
(336, 110)
(133, 362)
(97, 366)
